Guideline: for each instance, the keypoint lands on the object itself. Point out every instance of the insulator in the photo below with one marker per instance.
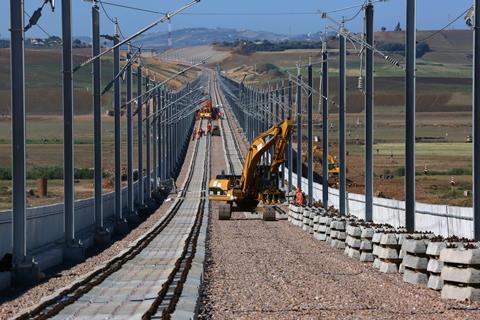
(360, 83)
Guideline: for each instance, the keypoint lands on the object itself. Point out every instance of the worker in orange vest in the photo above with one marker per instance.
(200, 133)
(299, 197)
(194, 133)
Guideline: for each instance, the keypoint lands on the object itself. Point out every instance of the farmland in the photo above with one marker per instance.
(44, 131)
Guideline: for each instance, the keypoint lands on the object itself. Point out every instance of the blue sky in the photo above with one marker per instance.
(432, 14)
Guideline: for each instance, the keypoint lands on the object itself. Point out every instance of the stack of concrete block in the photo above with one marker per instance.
(435, 266)
(297, 215)
(377, 236)
(306, 218)
(316, 220)
(415, 261)
(461, 273)
(338, 233)
(388, 253)
(314, 212)
(291, 210)
(323, 224)
(366, 245)
(353, 241)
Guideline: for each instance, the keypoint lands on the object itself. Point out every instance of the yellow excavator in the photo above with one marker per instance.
(258, 182)
(333, 165)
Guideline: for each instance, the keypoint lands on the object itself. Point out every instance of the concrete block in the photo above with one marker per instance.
(388, 267)
(377, 237)
(401, 268)
(322, 228)
(435, 282)
(460, 275)
(320, 236)
(366, 245)
(338, 234)
(415, 246)
(376, 250)
(327, 231)
(328, 240)
(354, 231)
(414, 277)
(434, 265)
(325, 220)
(415, 262)
(353, 242)
(401, 254)
(355, 254)
(388, 253)
(304, 227)
(48, 259)
(5, 280)
(315, 219)
(367, 233)
(337, 244)
(389, 239)
(456, 256)
(376, 263)
(451, 292)
(366, 257)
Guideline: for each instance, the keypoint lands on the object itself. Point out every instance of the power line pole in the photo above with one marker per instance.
(299, 129)
(131, 204)
(290, 139)
(325, 125)
(282, 97)
(141, 188)
(476, 123)
(121, 226)
(342, 125)
(310, 133)
(369, 114)
(22, 266)
(410, 93)
(156, 101)
(147, 141)
(102, 235)
(73, 251)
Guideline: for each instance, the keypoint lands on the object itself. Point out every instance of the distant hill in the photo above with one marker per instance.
(203, 36)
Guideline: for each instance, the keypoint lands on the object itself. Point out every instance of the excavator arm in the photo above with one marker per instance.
(276, 136)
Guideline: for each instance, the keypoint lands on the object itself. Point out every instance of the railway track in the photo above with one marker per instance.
(233, 155)
(146, 280)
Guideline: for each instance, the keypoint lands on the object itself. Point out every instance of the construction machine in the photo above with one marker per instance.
(333, 165)
(207, 111)
(258, 183)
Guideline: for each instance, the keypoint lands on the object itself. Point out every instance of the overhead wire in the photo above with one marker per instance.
(445, 27)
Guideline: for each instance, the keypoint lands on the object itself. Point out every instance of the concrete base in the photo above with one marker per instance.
(413, 277)
(320, 236)
(355, 254)
(74, 253)
(465, 257)
(434, 266)
(121, 228)
(452, 292)
(366, 245)
(461, 275)
(5, 280)
(434, 248)
(48, 259)
(388, 267)
(339, 244)
(388, 253)
(27, 274)
(103, 237)
(415, 262)
(435, 282)
(366, 257)
(376, 263)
